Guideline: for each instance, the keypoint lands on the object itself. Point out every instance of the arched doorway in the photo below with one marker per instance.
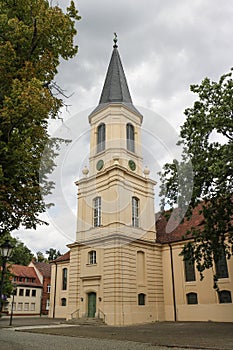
(91, 304)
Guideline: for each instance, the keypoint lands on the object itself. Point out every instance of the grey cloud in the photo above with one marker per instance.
(165, 46)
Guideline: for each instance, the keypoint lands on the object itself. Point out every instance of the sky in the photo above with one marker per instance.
(165, 46)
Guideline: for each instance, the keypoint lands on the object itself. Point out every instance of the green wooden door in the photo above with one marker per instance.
(91, 304)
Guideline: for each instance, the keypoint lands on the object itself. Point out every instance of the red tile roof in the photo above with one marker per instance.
(64, 257)
(44, 268)
(166, 233)
(25, 272)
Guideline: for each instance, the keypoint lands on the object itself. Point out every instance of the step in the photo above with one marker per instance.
(87, 321)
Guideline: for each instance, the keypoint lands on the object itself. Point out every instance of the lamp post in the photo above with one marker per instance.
(12, 303)
(5, 251)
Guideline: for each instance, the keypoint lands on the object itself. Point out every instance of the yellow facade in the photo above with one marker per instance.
(116, 270)
(208, 307)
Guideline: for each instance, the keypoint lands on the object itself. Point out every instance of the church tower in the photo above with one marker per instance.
(115, 264)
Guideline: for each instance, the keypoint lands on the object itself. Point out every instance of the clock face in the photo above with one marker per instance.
(132, 165)
(99, 164)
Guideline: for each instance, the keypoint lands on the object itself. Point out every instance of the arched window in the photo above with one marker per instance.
(130, 137)
(97, 211)
(141, 299)
(221, 266)
(101, 137)
(135, 212)
(189, 269)
(224, 296)
(141, 270)
(92, 257)
(191, 298)
(63, 302)
(64, 278)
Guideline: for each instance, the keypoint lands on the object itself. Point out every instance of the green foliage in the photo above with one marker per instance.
(21, 255)
(40, 257)
(207, 140)
(34, 35)
(7, 285)
(53, 254)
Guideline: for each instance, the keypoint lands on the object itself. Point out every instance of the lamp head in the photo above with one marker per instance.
(6, 249)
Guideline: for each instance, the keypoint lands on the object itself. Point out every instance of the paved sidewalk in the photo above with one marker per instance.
(199, 335)
(18, 321)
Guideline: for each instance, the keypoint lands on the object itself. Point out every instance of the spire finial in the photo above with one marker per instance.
(115, 41)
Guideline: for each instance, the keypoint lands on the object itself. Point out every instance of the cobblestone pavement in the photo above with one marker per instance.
(191, 335)
(12, 340)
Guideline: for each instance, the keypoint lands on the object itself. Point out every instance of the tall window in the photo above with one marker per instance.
(64, 278)
(221, 266)
(130, 137)
(189, 269)
(141, 270)
(92, 257)
(101, 138)
(191, 298)
(97, 211)
(135, 212)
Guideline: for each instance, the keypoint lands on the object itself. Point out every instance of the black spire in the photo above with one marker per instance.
(115, 89)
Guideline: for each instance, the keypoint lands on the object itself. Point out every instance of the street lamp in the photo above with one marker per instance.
(5, 251)
(12, 303)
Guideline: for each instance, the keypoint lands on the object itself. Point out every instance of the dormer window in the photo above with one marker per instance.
(130, 137)
(101, 138)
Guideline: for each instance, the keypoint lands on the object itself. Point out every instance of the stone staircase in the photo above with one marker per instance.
(87, 321)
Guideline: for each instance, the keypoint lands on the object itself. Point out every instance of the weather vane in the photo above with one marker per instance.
(115, 40)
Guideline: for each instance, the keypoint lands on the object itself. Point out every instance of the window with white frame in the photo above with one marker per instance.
(97, 211)
(130, 137)
(101, 138)
(92, 257)
(26, 306)
(47, 304)
(33, 307)
(20, 306)
(48, 288)
(135, 212)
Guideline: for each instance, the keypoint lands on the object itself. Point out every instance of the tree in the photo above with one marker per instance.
(53, 254)
(40, 257)
(207, 140)
(34, 36)
(21, 254)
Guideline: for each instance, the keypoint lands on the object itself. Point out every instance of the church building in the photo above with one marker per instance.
(119, 268)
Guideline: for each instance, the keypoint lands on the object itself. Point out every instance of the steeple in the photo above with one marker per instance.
(115, 89)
